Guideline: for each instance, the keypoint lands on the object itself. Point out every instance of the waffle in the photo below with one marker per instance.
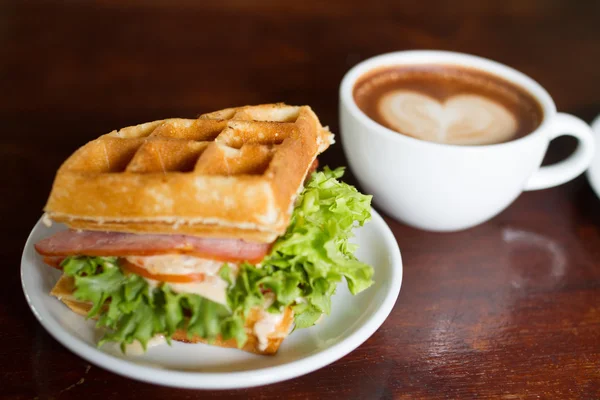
(63, 290)
(233, 173)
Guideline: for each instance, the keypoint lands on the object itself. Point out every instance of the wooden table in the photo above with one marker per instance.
(510, 309)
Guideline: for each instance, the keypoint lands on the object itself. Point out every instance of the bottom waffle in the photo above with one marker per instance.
(63, 290)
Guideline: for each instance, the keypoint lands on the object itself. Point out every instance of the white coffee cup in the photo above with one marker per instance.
(442, 187)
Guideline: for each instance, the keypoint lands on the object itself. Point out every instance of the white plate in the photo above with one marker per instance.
(593, 172)
(352, 321)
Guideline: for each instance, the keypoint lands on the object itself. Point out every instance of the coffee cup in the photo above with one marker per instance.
(446, 141)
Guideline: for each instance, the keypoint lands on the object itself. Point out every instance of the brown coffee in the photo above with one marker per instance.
(447, 104)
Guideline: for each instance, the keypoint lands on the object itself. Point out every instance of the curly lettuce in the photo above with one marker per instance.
(310, 259)
(302, 271)
(132, 310)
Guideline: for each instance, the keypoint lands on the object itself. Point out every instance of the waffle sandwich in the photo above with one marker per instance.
(215, 229)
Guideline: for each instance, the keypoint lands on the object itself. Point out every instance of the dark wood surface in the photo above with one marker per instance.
(509, 309)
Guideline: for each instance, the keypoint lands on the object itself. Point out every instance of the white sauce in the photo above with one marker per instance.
(212, 287)
(46, 220)
(136, 349)
(178, 264)
(269, 299)
(265, 326)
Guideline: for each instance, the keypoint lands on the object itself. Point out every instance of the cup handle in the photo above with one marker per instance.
(575, 164)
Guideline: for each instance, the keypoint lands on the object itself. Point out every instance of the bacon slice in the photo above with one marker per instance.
(93, 243)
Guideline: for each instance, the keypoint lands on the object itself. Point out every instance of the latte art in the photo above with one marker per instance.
(447, 104)
(463, 119)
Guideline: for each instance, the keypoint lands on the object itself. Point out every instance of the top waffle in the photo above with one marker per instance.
(233, 173)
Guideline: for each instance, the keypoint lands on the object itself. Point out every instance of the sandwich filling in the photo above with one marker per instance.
(141, 286)
(184, 274)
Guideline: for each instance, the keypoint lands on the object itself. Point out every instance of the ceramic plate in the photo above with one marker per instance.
(593, 172)
(352, 321)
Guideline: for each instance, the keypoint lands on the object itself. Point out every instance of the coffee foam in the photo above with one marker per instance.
(447, 104)
(463, 119)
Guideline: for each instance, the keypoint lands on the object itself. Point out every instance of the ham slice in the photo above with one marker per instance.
(94, 243)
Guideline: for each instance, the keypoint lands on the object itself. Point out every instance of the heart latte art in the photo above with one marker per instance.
(463, 119)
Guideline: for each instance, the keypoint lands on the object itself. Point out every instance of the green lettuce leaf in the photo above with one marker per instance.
(313, 256)
(302, 271)
(132, 310)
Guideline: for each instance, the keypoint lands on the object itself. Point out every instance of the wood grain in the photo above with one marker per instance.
(509, 309)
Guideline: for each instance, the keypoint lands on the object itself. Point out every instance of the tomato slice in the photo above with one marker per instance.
(199, 277)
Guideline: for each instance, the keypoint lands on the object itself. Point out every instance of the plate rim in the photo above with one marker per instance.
(236, 379)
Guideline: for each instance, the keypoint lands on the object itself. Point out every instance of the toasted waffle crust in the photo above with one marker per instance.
(233, 173)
